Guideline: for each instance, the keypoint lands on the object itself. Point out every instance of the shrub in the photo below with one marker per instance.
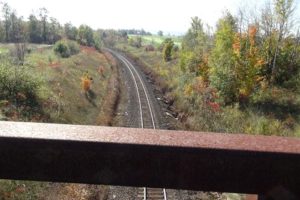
(149, 48)
(66, 48)
(61, 48)
(18, 53)
(86, 82)
(18, 85)
(135, 42)
(74, 47)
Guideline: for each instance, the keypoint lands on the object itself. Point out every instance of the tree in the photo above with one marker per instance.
(43, 13)
(6, 10)
(109, 38)
(248, 62)
(138, 42)
(55, 31)
(279, 51)
(13, 26)
(160, 33)
(20, 40)
(194, 36)
(70, 31)
(223, 76)
(2, 32)
(97, 40)
(135, 42)
(167, 50)
(196, 47)
(86, 35)
(284, 10)
(34, 29)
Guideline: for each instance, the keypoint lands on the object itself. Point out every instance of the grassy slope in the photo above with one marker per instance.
(63, 84)
(65, 102)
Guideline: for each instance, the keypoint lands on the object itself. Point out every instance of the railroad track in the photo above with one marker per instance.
(147, 119)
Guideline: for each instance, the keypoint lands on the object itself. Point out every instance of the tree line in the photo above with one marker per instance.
(41, 28)
(134, 32)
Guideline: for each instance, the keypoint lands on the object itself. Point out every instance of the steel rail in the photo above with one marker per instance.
(145, 91)
(136, 86)
(152, 117)
(130, 68)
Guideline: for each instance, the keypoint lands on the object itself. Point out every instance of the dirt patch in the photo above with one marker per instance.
(86, 49)
(41, 64)
(54, 64)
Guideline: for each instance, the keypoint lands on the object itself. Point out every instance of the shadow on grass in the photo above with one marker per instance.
(91, 96)
(279, 111)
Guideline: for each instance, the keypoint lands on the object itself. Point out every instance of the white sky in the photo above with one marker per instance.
(171, 16)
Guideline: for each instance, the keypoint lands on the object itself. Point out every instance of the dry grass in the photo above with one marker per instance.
(111, 101)
(76, 192)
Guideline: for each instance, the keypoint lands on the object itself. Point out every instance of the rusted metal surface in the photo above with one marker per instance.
(135, 157)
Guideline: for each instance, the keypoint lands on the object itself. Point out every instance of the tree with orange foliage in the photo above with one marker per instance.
(248, 62)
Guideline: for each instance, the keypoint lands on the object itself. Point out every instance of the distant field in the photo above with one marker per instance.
(157, 40)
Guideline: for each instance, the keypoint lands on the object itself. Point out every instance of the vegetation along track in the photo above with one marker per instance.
(147, 118)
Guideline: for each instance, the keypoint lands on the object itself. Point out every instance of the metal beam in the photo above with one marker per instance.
(138, 157)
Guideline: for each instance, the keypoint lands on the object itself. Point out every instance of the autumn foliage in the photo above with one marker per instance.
(86, 83)
(248, 62)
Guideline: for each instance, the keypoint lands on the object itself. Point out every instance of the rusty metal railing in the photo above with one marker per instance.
(134, 157)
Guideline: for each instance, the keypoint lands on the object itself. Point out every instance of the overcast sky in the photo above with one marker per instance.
(171, 16)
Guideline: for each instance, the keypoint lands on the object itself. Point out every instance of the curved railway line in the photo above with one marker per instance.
(147, 120)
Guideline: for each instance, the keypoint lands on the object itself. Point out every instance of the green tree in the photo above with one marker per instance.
(278, 43)
(167, 49)
(195, 37)
(6, 10)
(55, 31)
(2, 32)
(97, 40)
(13, 26)
(109, 38)
(70, 31)
(196, 47)
(20, 39)
(34, 29)
(284, 10)
(135, 42)
(138, 42)
(86, 35)
(223, 76)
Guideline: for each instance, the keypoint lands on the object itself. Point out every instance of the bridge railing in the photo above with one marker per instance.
(233, 163)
